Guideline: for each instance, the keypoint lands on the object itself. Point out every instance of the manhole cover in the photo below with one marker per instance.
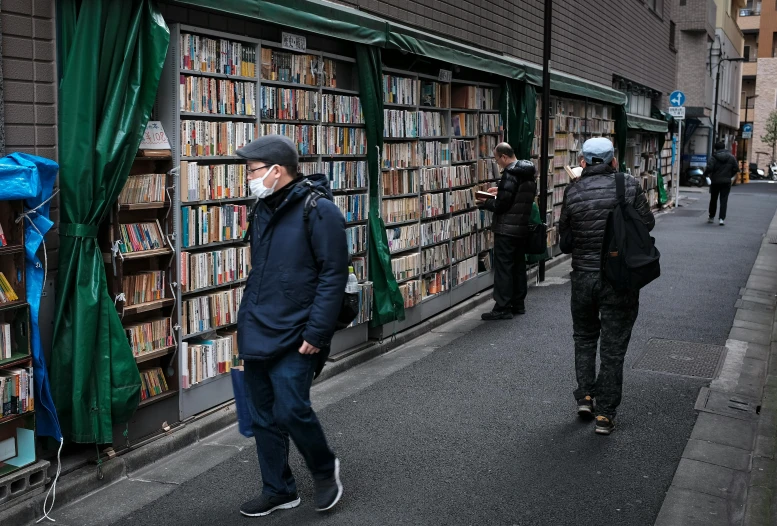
(698, 360)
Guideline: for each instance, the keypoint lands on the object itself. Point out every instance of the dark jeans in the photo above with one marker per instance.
(721, 190)
(279, 396)
(604, 318)
(510, 286)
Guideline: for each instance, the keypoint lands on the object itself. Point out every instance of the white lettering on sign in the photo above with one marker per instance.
(747, 135)
(154, 138)
(294, 42)
(677, 112)
(446, 75)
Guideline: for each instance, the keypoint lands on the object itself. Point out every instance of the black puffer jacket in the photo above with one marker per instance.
(722, 167)
(512, 206)
(587, 203)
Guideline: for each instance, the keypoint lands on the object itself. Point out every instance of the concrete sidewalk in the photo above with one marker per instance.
(728, 474)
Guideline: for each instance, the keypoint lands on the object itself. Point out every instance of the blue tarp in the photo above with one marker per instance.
(32, 178)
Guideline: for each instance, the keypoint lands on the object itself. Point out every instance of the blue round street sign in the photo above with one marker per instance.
(677, 98)
(747, 128)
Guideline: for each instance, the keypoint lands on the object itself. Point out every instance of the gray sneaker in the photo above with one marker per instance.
(711, 220)
(329, 491)
(266, 504)
(722, 222)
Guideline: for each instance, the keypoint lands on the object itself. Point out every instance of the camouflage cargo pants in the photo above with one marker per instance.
(603, 318)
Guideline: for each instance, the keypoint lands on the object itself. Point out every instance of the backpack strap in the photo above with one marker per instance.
(311, 202)
(620, 188)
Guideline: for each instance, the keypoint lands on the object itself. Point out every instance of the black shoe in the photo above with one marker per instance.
(585, 407)
(329, 492)
(265, 504)
(496, 315)
(604, 426)
(518, 312)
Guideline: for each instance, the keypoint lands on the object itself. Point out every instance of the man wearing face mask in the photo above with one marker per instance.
(287, 319)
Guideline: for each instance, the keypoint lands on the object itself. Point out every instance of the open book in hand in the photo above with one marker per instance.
(574, 173)
(481, 195)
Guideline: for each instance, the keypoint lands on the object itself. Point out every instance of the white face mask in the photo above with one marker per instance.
(257, 187)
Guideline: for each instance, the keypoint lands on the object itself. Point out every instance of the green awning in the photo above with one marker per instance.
(638, 122)
(416, 41)
(323, 18)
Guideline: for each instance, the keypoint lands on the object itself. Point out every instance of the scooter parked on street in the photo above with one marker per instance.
(756, 173)
(773, 171)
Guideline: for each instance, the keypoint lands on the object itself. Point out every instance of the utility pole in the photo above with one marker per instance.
(544, 160)
(744, 160)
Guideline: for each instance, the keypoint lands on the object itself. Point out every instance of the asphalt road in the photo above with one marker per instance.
(484, 431)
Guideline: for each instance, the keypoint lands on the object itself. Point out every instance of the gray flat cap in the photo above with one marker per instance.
(273, 149)
(598, 151)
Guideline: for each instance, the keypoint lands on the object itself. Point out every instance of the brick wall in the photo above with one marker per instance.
(29, 95)
(693, 76)
(594, 39)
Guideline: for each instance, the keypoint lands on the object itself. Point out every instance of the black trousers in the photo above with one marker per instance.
(510, 286)
(721, 190)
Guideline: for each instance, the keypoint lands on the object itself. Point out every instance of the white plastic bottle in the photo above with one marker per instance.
(352, 287)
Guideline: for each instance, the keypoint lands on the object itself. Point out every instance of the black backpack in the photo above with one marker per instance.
(630, 259)
(349, 309)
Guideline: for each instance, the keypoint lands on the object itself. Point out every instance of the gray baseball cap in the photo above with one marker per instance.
(273, 149)
(598, 151)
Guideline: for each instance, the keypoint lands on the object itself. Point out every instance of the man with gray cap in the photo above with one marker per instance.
(299, 259)
(601, 316)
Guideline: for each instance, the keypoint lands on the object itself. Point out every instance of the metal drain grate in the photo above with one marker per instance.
(772, 240)
(698, 360)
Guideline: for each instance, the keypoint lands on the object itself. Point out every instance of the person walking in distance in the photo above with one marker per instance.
(512, 206)
(721, 170)
(287, 319)
(602, 317)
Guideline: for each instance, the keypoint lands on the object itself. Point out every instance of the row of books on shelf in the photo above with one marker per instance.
(211, 311)
(145, 188)
(212, 139)
(400, 90)
(354, 207)
(306, 105)
(400, 210)
(463, 150)
(405, 267)
(200, 53)
(357, 239)
(435, 283)
(576, 108)
(435, 257)
(152, 383)
(139, 237)
(473, 98)
(365, 294)
(17, 392)
(6, 341)
(208, 358)
(144, 287)
(217, 96)
(403, 123)
(414, 92)
(213, 182)
(150, 335)
(214, 268)
(470, 124)
(359, 265)
(465, 247)
(310, 70)
(414, 291)
(344, 175)
(318, 139)
(7, 292)
(205, 224)
(403, 237)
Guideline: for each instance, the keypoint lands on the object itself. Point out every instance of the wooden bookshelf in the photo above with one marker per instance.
(17, 423)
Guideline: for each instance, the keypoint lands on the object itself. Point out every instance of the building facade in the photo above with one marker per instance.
(759, 79)
(710, 46)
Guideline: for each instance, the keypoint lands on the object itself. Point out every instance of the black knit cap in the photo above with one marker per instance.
(272, 149)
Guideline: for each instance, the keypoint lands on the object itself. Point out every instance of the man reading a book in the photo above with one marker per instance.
(286, 321)
(511, 203)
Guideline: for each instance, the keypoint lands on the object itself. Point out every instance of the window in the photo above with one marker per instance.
(774, 45)
(672, 36)
(747, 53)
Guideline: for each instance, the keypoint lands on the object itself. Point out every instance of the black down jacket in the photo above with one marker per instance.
(587, 203)
(722, 167)
(512, 206)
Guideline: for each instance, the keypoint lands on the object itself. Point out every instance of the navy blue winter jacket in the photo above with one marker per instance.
(292, 293)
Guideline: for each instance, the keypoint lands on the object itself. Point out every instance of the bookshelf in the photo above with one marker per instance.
(139, 245)
(438, 144)
(312, 97)
(17, 403)
(572, 122)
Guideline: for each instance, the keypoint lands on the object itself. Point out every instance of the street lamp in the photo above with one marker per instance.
(717, 93)
(747, 106)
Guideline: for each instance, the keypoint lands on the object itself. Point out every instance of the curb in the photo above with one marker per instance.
(89, 479)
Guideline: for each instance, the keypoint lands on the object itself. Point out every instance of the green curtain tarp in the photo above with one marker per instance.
(518, 105)
(113, 52)
(322, 18)
(646, 124)
(621, 134)
(388, 304)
